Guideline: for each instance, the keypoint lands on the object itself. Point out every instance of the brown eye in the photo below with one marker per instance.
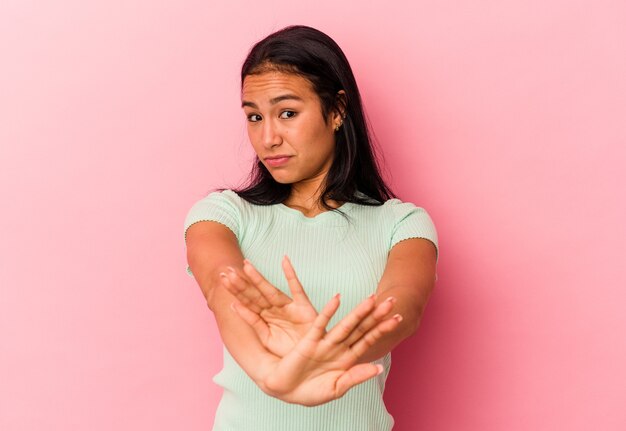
(253, 118)
(287, 114)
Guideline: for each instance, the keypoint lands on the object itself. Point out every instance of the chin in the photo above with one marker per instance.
(282, 176)
(282, 180)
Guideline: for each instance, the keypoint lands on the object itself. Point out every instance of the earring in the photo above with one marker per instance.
(338, 126)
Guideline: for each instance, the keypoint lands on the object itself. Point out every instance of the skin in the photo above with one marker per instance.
(281, 342)
(284, 116)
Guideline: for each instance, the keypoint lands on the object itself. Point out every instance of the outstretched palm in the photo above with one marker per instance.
(280, 321)
(322, 366)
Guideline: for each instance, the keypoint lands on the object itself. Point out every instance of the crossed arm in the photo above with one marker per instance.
(276, 349)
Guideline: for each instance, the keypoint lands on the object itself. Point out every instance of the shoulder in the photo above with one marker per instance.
(226, 195)
(408, 220)
(398, 209)
(392, 210)
(225, 199)
(223, 206)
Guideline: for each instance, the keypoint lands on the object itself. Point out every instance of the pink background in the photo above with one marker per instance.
(504, 119)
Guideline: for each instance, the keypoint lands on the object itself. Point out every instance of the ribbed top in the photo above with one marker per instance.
(330, 255)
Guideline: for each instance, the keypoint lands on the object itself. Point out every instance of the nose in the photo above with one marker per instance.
(270, 135)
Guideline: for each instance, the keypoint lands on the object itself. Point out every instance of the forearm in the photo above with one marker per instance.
(238, 337)
(408, 305)
(211, 248)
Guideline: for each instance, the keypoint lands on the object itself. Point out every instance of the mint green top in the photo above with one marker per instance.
(329, 256)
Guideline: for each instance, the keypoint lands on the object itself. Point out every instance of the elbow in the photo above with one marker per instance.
(410, 330)
(417, 312)
(208, 280)
(413, 325)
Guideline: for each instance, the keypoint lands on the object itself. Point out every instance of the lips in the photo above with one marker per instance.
(279, 160)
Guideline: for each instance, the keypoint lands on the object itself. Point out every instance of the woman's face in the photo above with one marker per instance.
(285, 119)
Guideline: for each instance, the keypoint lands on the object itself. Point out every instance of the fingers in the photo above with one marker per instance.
(239, 285)
(356, 375)
(273, 296)
(318, 328)
(346, 326)
(381, 311)
(373, 335)
(297, 291)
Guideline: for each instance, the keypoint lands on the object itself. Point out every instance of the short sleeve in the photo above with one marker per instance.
(411, 221)
(222, 207)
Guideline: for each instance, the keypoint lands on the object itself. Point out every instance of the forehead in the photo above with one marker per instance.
(268, 85)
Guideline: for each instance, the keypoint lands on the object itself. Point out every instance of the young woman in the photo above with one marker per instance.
(315, 228)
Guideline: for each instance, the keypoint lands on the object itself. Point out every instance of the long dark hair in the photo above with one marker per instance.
(309, 53)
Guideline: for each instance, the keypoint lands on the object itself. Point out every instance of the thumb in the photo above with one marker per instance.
(356, 375)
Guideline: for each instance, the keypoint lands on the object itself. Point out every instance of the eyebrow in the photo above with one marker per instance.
(273, 101)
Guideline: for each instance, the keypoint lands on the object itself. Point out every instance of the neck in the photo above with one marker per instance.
(307, 196)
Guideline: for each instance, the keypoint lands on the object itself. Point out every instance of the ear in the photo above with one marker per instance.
(341, 104)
